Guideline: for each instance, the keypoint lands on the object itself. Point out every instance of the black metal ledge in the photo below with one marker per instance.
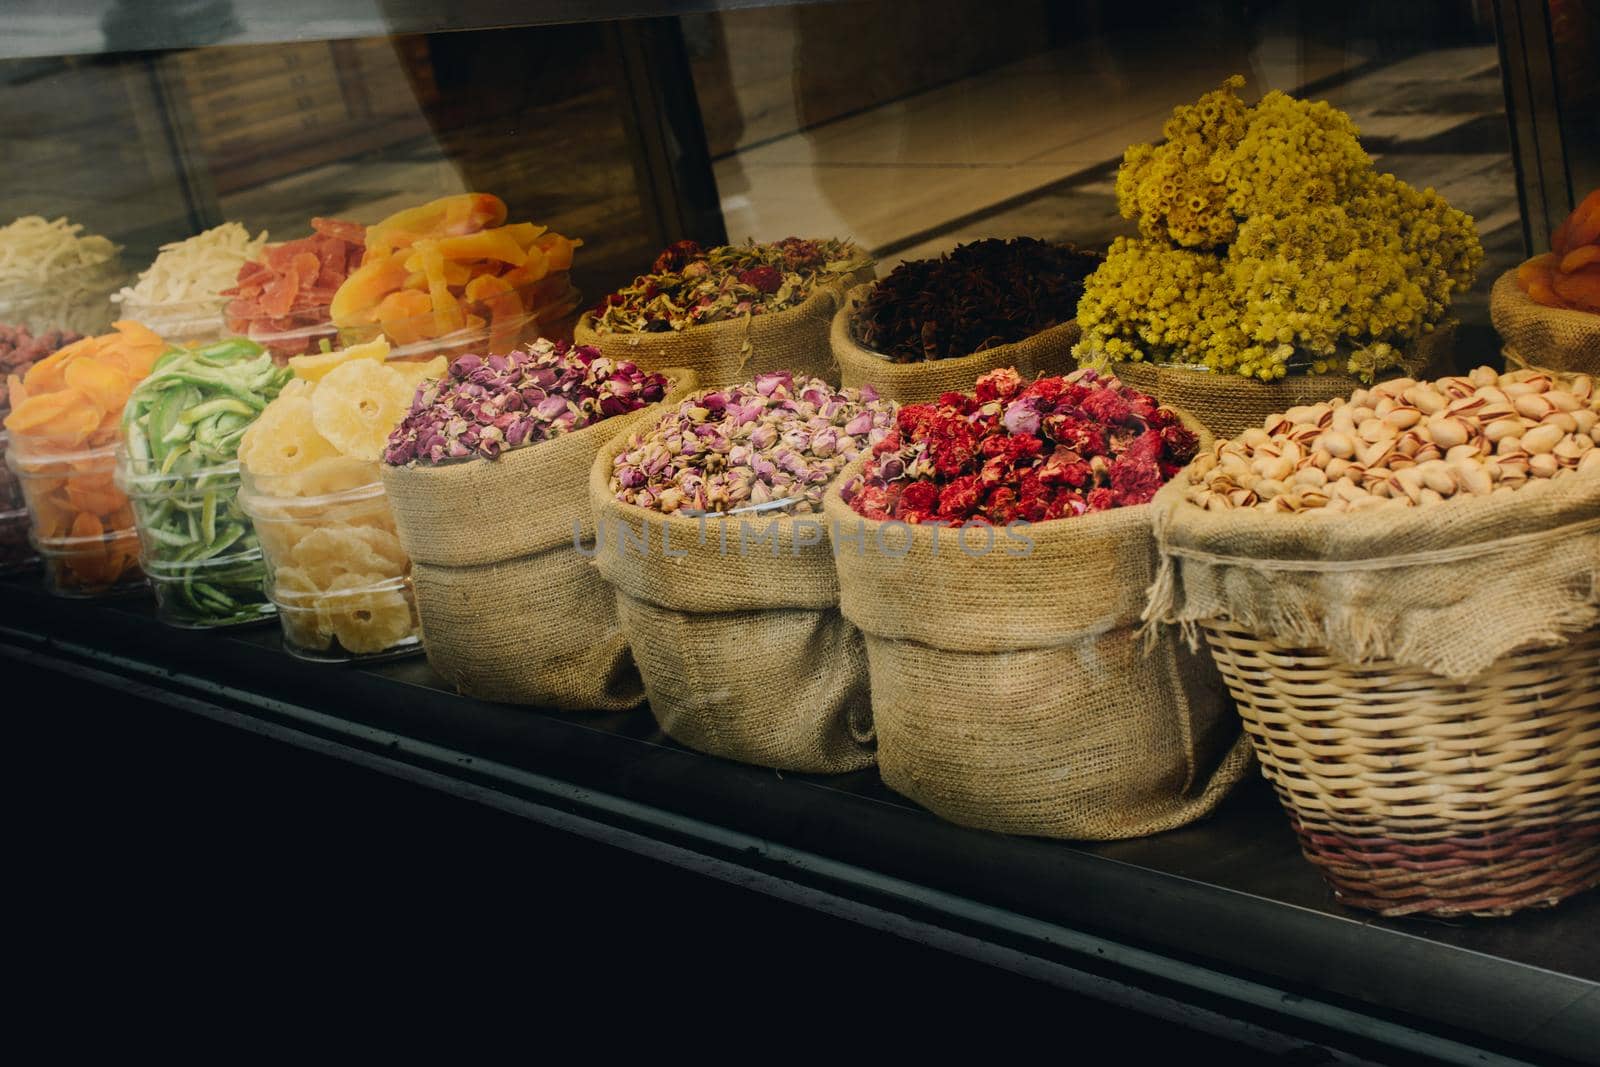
(1221, 924)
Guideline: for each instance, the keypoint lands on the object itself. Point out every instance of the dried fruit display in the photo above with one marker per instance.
(972, 298)
(450, 266)
(1016, 451)
(1408, 443)
(485, 406)
(775, 442)
(282, 297)
(52, 272)
(1568, 276)
(689, 285)
(182, 427)
(1269, 244)
(20, 349)
(180, 294)
(336, 571)
(64, 425)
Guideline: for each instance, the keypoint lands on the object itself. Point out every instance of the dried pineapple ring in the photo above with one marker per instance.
(315, 367)
(302, 627)
(365, 619)
(387, 545)
(358, 404)
(333, 474)
(284, 439)
(293, 586)
(278, 538)
(297, 387)
(330, 553)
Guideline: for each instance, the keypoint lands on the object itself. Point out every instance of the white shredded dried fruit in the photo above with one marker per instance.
(188, 275)
(53, 276)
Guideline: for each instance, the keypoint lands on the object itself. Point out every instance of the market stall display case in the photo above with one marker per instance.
(930, 268)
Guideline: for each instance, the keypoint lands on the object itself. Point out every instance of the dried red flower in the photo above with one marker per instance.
(1015, 450)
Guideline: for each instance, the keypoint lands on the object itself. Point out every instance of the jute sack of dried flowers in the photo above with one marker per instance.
(741, 645)
(1229, 404)
(511, 608)
(737, 350)
(1556, 338)
(1014, 692)
(1046, 352)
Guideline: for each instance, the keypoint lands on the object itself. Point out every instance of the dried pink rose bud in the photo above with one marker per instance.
(773, 439)
(485, 406)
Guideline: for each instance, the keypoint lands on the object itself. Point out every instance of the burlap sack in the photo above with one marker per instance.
(1012, 691)
(1556, 338)
(1229, 404)
(511, 608)
(740, 642)
(727, 353)
(1447, 589)
(1047, 352)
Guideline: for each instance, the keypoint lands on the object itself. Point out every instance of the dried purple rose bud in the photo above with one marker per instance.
(505, 401)
(772, 439)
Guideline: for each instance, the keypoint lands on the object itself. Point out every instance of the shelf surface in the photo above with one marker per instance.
(1225, 912)
(37, 28)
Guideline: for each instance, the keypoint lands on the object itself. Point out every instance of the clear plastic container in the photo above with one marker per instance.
(335, 568)
(551, 309)
(16, 551)
(81, 522)
(74, 298)
(197, 545)
(296, 334)
(209, 593)
(190, 323)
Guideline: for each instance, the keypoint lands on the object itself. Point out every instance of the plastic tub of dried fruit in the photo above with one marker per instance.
(547, 308)
(16, 553)
(196, 545)
(81, 524)
(334, 566)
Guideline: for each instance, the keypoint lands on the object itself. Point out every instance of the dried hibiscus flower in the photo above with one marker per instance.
(774, 441)
(975, 297)
(689, 285)
(1023, 451)
(486, 405)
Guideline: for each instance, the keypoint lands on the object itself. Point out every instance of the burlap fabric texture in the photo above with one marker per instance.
(734, 351)
(511, 609)
(1558, 338)
(1014, 693)
(741, 644)
(1048, 352)
(1448, 589)
(1229, 404)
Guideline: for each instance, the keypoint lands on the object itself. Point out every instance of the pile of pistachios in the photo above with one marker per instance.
(1408, 443)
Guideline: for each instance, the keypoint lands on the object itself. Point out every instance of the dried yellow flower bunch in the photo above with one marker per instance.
(1268, 242)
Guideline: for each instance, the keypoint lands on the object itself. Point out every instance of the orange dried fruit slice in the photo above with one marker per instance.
(1579, 258)
(106, 386)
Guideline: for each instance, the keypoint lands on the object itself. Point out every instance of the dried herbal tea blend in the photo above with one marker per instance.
(689, 285)
(979, 295)
(488, 404)
(1023, 451)
(776, 439)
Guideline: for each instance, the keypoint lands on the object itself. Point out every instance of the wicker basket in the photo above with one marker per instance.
(1417, 795)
